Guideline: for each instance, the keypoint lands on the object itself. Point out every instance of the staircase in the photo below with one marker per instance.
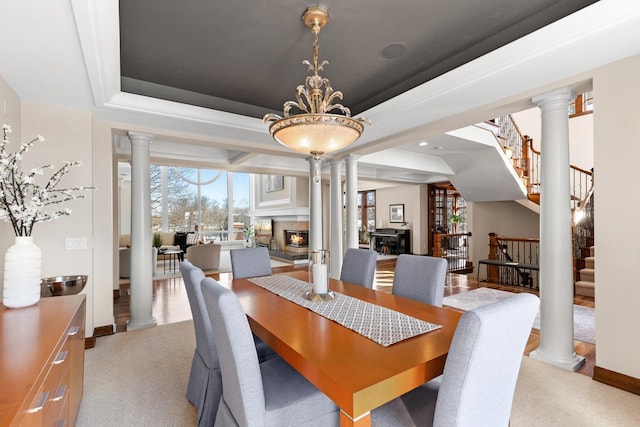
(526, 161)
(585, 285)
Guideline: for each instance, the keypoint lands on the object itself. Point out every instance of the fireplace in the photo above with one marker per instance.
(296, 238)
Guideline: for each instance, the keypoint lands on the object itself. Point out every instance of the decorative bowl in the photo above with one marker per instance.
(63, 285)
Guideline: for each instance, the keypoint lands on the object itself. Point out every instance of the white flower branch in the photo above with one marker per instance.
(22, 199)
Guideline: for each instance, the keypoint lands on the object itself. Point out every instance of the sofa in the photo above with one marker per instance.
(170, 241)
(205, 257)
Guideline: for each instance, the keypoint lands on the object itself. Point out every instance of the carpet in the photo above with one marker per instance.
(584, 318)
(138, 378)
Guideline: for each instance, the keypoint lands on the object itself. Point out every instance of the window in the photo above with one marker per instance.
(198, 199)
(366, 209)
(583, 104)
(448, 210)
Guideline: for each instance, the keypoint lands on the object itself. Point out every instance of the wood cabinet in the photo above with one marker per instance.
(42, 362)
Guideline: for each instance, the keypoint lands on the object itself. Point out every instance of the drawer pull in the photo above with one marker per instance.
(60, 393)
(74, 330)
(61, 357)
(41, 401)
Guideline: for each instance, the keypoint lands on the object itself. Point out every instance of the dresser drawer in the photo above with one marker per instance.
(41, 372)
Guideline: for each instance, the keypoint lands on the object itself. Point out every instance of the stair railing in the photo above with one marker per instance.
(454, 247)
(513, 250)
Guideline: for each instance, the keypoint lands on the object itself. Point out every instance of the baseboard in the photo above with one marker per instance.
(615, 379)
(100, 331)
(89, 342)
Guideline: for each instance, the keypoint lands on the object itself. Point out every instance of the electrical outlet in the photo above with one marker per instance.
(75, 243)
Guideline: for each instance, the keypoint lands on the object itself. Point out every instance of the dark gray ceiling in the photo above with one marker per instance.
(246, 56)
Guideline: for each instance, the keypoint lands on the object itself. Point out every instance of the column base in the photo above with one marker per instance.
(570, 363)
(132, 326)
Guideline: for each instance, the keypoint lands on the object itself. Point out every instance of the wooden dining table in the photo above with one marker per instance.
(355, 372)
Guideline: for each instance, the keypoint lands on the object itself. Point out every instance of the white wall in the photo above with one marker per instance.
(617, 150)
(293, 199)
(503, 218)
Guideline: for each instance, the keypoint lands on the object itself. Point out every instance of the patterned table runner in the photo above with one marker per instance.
(380, 324)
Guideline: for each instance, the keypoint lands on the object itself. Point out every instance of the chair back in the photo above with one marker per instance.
(359, 267)
(420, 278)
(205, 344)
(205, 257)
(242, 391)
(250, 262)
(481, 370)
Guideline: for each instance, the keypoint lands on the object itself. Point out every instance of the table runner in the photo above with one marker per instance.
(380, 324)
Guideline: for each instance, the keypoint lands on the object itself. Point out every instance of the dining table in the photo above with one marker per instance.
(354, 371)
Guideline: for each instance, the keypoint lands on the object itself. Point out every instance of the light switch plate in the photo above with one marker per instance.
(75, 243)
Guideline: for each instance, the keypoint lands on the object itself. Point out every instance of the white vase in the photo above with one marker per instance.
(22, 270)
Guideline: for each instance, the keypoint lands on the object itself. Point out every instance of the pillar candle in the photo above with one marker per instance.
(319, 278)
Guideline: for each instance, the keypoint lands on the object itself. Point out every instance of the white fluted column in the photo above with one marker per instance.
(141, 249)
(351, 240)
(556, 259)
(315, 205)
(336, 219)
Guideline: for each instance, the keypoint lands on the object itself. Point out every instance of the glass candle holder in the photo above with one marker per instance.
(319, 271)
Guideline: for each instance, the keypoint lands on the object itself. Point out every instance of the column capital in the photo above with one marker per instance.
(140, 136)
(563, 94)
(352, 157)
(335, 162)
(313, 160)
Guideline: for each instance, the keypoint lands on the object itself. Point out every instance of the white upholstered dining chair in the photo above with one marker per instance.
(270, 394)
(250, 262)
(420, 278)
(479, 379)
(204, 389)
(359, 267)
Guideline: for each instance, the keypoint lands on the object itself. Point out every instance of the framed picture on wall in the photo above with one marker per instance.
(396, 213)
(273, 183)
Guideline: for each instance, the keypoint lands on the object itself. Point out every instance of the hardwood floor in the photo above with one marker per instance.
(170, 303)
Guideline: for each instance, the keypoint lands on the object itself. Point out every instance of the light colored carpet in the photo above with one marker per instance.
(584, 318)
(139, 378)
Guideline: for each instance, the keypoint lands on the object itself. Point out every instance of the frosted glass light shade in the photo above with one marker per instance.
(316, 133)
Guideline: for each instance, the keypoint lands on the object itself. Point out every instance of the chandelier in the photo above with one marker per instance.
(315, 130)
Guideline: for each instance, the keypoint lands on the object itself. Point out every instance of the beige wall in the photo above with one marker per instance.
(68, 137)
(11, 115)
(617, 150)
(411, 197)
(503, 218)
(580, 135)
